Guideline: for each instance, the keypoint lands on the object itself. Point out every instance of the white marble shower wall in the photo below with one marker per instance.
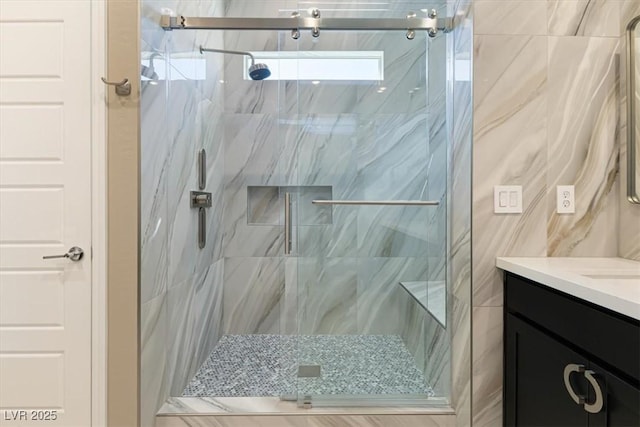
(547, 107)
(181, 285)
(364, 145)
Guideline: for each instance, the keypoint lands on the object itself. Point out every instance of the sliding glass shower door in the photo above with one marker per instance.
(362, 121)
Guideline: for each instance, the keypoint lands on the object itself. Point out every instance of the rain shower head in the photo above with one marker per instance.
(256, 71)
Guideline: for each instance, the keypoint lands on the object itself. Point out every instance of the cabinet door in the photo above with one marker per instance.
(621, 401)
(535, 394)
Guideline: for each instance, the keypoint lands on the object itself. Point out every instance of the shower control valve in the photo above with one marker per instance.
(200, 199)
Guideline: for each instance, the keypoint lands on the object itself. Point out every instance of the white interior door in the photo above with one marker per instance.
(45, 208)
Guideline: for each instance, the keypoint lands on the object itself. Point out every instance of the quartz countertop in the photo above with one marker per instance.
(613, 283)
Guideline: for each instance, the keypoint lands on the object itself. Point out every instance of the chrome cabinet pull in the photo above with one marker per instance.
(75, 254)
(598, 403)
(287, 223)
(568, 370)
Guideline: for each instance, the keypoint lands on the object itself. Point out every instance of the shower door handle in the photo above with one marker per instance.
(377, 202)
(287, 223)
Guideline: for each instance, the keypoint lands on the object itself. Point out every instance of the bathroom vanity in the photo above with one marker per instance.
(572, 342)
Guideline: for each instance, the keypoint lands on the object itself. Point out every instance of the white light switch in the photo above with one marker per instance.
(507, 199)
(502, 199)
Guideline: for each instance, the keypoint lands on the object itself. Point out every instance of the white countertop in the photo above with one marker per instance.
(613, 283)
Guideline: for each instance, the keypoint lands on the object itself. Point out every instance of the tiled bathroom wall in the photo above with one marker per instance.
(547, 104)
(460, 123)
(343, 275)
(181, 285)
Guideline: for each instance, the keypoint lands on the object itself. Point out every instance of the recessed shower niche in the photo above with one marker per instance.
(266, 205)
(327, 195)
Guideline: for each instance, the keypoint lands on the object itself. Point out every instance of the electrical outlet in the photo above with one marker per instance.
(507, 199)
(566, 199)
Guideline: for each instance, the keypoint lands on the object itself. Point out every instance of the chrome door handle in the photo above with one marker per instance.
(568, 370)
(75, 254)
(598, 403)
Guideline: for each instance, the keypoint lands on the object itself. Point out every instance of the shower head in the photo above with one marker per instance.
(259, 71)
(256, 71)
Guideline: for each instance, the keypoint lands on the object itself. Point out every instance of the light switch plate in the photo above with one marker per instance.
(507, 199)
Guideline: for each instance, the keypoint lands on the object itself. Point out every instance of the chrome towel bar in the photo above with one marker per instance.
(378, 202)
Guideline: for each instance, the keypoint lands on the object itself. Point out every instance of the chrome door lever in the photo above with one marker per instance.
(75, 254)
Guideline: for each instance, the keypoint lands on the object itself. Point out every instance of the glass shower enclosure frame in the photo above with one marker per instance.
(334, 204)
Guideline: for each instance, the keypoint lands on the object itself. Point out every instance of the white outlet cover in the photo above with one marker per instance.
(566, 199)
(507, 199)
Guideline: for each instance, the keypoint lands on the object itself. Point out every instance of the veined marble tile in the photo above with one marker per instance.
(460, 121)
(182, 219)
(327, 292)
(412, 327)
(153, 361)
(583, 144)
(392, 150)
(153, 195)
(324, 147)
(510, 147)
(251, 152)
(181, 341)
(289, 305)
(511, 17)
(210, 138)
(207, 308)
(231, 421)
(308, 421)
(487, 362)
(405, 75)
(382, 421)
(437, 360)
(584, 17)
(382, 309)
(253, 292)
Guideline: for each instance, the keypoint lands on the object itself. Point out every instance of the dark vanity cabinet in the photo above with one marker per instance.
(567, 362)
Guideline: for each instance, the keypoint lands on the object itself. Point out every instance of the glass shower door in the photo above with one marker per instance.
(365, 132)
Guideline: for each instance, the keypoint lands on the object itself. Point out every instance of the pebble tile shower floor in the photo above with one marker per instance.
(267, 365)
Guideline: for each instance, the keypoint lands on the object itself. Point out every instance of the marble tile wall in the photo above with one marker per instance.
(546, 112)
(310, 421)
(181, 285)
(365, 145)
(460, 125)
